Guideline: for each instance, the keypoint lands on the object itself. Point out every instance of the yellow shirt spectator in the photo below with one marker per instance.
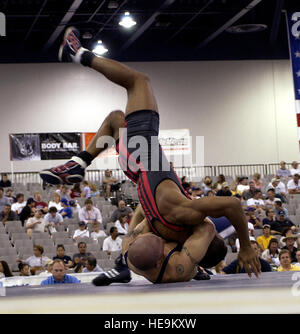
(264, 241)
(292, 268)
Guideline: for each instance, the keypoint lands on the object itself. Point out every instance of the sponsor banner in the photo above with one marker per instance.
(44, 146)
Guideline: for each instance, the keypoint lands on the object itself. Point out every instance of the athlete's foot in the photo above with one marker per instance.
(69, 173)
(112, 276)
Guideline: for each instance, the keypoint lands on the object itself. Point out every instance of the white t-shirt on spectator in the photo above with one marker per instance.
(292, 185)
(121, 229)
(87, 215)
(279, 189)
(58, 206)
(241, 188)
(18, 207)
(82, 234)
(96, 235)
(40, 227)
(295, 171)
(87, 191)
(34, 261)
(112, 245)
(255, 202)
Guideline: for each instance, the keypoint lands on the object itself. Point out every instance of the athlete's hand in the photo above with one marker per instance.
(248, 259)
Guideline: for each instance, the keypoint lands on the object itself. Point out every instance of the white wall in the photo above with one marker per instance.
(244, 109)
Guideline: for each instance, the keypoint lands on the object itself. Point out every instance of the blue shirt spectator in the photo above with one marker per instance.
(66, 211)
(67, 279)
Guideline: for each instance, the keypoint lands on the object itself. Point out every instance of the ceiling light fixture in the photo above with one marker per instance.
(100, 49)
(127, 21)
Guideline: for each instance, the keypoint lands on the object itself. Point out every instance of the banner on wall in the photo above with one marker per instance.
(44, 146)
(293, 23)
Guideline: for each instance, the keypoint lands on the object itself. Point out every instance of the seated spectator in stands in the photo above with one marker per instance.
(81, 232)
(39, 203)
(286, 262)
(112, 243)
(37, 261)
(279, 187)
(234, 267)
(60, 255)
(110, 183)
(285, 231)
(295, 169)
(28, 210)
(36, 224)
(55, 202)
(298, 258)
(207, 185)
(54, 220)
(66, 210)
(80, 258)
(9, 195)
(210, 193)
(48, 269)
(86, 193)
(75, 207)
(91, 265)
(5, 270)
(185, 184)
(18, 206)
(94, 191)
(243, 185)
(64, 192)
(8, 215)
(279, 208)
(250, 230)
(224, 191)
(5, 182)
(270, 201)
(59, 275)
(271, 254)
(270, 217)
(24, 269)
(283, 171)
(290, 240)
(122, 224)
(89, 213)
(122, 209)
(218, 185)
(76, 191)
(253, 219)
(3, 200)
(247, 194)
(97, 233)
(256, 201)
(196, 192)
(263, 240)
(281, 222)
(257, 181)
(293, 185)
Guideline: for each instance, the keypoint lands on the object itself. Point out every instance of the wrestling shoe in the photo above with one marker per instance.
(201, 275)
(69, 173)
(112, 276)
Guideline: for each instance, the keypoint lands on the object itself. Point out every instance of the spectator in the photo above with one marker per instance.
(39, 203)
(285, 262)
(60, 255)
(122, 224)
(263, 240)
(94, 191)
(278, 208)
(295, 169)
(224, 191)
(5, 182)
(210, 193)
(63, 192)
(271, 254)
(24, 269)
(298, 258)
(253, 219)
(3, 200)
(9, 195)
(91, 265)
(285, 231)
(81, 232)
(289, 240)
(247, 194)
(257, 201)
(218, 185)
(257, 181)
(110, 183)
(250, 230)
(86, 190)
(281, 222)
(279, 188)
(270, 219)
(186, 185)
(66, 211)
(207, 185)
(37, 261)
(5, 270)
(243, 185)
(283, 171)
(234, 267)
(75, 207)
(76, 191)
(97, 233)
(8, 215)
(89, 213)
(36, 224)
(28, 210)
(270, 201)
(54, 220)
(79, 259)
(112, 243)
(196, 192)
(48, 269)
(122, 209)
(293, 185)
(55, 202)
(19, 205)
(59, 275)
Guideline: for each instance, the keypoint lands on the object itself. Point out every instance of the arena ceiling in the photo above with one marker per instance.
(166, 30)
